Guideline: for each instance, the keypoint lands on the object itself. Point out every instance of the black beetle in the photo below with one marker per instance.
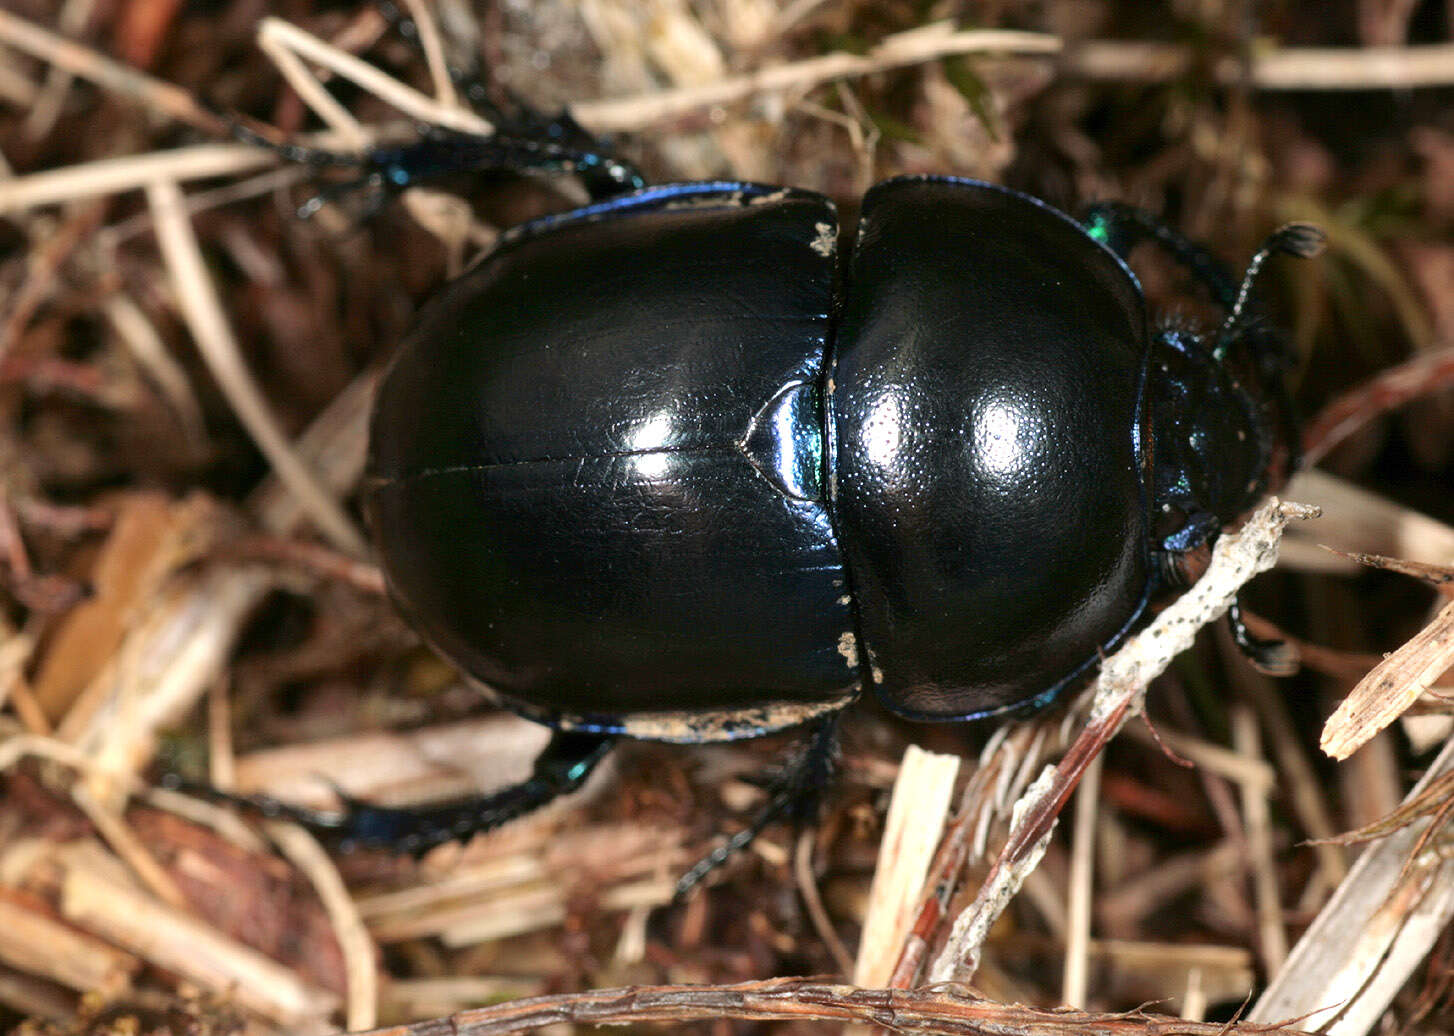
(669, 467)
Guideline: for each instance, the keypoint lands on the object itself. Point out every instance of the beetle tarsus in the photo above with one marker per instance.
(1273, 657)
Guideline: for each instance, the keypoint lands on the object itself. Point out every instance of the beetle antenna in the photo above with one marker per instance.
(1297, 239)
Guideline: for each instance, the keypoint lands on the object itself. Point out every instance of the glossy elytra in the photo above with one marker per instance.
(673, 466)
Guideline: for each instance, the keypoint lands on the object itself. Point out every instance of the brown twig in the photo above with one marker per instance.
(915, 1010)
(307, 555)
(1425, 374)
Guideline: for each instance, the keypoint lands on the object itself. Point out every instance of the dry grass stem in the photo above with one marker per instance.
(522, 880)
(269, 182)
(432, 997)
(128, 847)
(46, 109)
(1364, 522)
(275, 33)
(145, 344)
(1076, 978)
(196, 162)
(313, 93)
(1123, 907)
(1425, 374)
(1391, 687)
(1298, 783)
(221, 760)
(335, 446)
(176, 650)
(1292, 68)
(916, 46)
(916, 817)
(1211, 757)
(208, 323)
(113, 175)
(1257, 829)
(431, 42)
(813, 902)
(85, 63)
(1375, 930)
(359, 951)
(16, 89)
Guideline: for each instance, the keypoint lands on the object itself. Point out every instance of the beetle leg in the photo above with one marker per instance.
(795, 794)
(440, 152)
(1122, 227)
(1273, 657)
(470, 75)
(561, 768)
(601, 172)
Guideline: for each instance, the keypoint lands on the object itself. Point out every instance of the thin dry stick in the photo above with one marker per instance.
(276, 32)
(1257, 825)
(128, 846)
(359, 952)
(312, 92)
(945, 1011)
(113, 175)
(914, 47)
(1119, 694)
(432, 43)
(150, 352)
(1423, 375)
(1294, 68)
(1082, 877)
(47, 107)
(813, 900)
(203, 312)
(85, 63)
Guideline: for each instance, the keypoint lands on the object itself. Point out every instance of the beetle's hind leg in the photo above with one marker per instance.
(795, 794)
(561, 768)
